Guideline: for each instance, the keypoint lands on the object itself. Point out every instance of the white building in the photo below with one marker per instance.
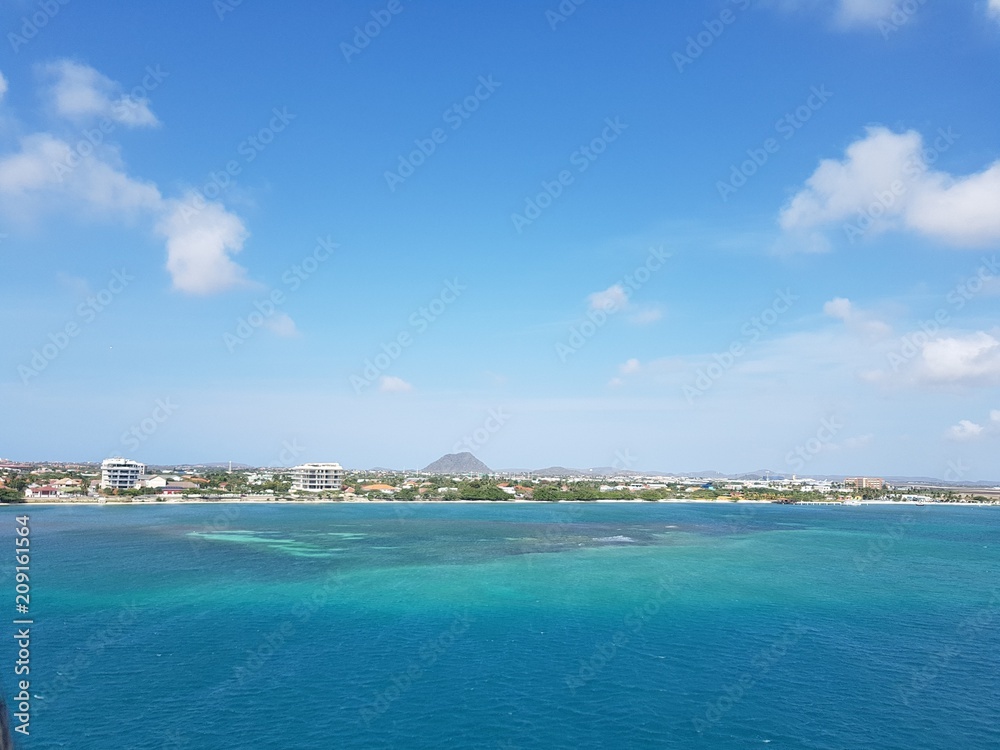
(121, 473)
(317, 477)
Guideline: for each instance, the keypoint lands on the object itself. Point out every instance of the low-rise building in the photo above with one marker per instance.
(181, 486)
(47, 491)
(317, 477)
(378, 488)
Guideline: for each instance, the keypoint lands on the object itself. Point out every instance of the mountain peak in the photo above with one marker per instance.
(458, 463)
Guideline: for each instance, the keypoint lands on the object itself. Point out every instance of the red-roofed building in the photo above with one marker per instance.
(47, 491)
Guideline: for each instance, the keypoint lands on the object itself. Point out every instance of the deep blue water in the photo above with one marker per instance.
(504, 627)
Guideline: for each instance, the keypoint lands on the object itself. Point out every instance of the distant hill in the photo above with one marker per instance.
(211, 465)
(458, 463)
(610, 471)
(560, 471)
(758, 475)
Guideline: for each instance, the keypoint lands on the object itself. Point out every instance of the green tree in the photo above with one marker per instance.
(547, 493)
(479, 489)
(8, 495)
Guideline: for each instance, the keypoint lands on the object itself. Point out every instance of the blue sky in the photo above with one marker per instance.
(726, 235)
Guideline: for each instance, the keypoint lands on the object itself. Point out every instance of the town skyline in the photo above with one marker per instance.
(954, 476)
(562, 235)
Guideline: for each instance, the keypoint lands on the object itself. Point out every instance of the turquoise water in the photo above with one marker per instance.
(505, 627)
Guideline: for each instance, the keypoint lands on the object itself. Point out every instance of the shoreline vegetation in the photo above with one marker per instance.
(66, 485)
(298, 500)
(314, 501)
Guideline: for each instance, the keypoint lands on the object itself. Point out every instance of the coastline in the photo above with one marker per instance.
(329, 501)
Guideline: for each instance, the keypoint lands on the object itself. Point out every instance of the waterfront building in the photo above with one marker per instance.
(865, 483)
(317, 478)
(47, 491)
(121, 473)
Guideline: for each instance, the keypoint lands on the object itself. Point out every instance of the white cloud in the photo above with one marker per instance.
(972, 358)
(392, 384)
(994, 9)
(31, 167)
(80, 93)
(78, 286)
(849, 13)
(964, 430)
(36, 175)
(858, 442)
(966, 359)
(3, 86)
(199, 246)
(884, 183)
(646, 315)
(630, 367)
(838, 189)
(615, 299)
(843, 309)
(45, 175)
(612, 299)
(960, 210)
(839, 308)
(281, 324)
(864, 12)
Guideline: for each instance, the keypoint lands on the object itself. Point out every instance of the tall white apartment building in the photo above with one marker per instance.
(121, 473)
(317, 477)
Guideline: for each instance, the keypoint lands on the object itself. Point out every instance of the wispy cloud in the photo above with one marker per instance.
(616, 299)
(843, 309)
(965, 430)
(864, 12)
(80, 93)
(646, 315)
(30, 181)
(630, 367)
(281, 324)
(611, 299)
(44, 174)
(392, 384)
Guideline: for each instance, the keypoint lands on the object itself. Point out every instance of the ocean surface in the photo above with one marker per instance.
(228, 627)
